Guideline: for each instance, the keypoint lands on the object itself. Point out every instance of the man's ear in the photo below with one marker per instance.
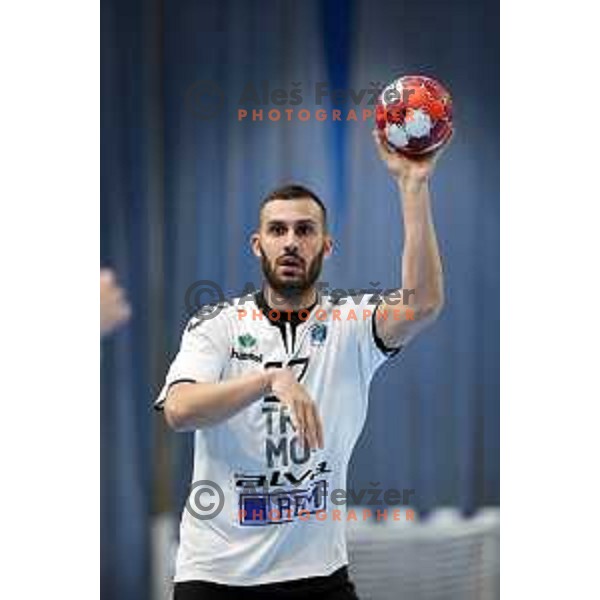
(328, 245)
(255, 244)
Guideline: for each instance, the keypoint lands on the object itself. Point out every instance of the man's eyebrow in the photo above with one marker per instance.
(305, 221)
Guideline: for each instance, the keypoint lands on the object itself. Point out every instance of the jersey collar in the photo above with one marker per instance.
(284, 316)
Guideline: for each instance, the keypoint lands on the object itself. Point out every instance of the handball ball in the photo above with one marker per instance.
(415, 114)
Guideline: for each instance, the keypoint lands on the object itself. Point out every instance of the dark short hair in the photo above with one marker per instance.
(295, 191)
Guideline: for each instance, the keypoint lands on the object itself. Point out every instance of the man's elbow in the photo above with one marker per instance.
(175, 416)
(429, 313)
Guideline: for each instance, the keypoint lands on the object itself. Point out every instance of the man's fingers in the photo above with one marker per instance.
(311, 424)
(382, 149)
(299, 418)
(293, 415)
(305, 417)
(320, 435)
(317, 426)
(306, 431)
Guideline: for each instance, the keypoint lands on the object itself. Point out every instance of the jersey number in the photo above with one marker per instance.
(301, 365)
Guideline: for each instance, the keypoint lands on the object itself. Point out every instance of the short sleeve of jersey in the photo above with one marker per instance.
(202, 354)
(373, 352)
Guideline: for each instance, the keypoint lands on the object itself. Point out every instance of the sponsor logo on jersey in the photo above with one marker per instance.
(282, 506)
(241, 355)
(318, 334)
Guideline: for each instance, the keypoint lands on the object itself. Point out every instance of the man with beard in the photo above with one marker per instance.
(276, 391)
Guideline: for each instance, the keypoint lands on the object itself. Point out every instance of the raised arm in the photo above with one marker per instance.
(422, 278)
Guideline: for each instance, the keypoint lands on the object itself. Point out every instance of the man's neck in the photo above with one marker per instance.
(285, 302)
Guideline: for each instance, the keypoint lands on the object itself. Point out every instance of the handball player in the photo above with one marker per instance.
(276, 387)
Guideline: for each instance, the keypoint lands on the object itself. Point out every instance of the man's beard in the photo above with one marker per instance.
(294, 288)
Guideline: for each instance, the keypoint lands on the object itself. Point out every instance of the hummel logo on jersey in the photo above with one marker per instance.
(247, 341)
(246, 356)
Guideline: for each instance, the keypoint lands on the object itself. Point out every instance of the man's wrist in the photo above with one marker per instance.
(267, 381)
(409, 185)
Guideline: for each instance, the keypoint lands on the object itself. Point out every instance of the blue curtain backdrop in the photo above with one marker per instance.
(180, 192)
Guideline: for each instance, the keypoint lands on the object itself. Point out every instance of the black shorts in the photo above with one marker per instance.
(336, 586)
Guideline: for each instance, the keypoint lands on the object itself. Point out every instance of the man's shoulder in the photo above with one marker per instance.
(220, 314)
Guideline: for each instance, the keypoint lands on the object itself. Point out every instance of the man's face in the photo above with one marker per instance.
(291, 244)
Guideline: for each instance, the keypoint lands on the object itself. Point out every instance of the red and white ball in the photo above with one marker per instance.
(415, 114)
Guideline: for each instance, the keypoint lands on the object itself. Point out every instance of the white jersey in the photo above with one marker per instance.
(275, 518)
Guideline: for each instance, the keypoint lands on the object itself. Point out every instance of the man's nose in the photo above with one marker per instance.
(291, 241)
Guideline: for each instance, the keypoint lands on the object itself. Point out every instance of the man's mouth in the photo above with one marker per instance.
(291, 264)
